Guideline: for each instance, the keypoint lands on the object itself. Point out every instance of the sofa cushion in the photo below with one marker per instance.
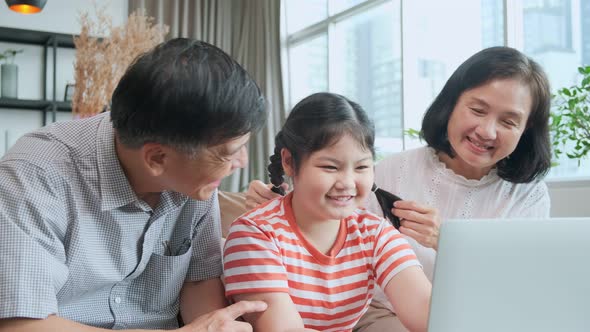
(231, 205)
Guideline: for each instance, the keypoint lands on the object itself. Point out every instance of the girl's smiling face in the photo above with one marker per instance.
(332, 182)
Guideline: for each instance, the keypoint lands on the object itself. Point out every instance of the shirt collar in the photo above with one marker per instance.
(115, 189)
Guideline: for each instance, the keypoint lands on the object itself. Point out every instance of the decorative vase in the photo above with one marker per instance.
(9, 84)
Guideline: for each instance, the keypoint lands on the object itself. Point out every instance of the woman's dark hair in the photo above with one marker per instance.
(532, 157)
(316, 122)
(186, 93)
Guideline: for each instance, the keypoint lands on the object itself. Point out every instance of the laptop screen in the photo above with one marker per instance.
(512, 275)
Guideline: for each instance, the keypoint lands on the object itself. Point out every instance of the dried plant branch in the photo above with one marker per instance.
(100, 62)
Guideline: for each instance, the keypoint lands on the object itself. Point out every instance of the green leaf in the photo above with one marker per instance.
(570, 118)
(572, 103)
(413, 133)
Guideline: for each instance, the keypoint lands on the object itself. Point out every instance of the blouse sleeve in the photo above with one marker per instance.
(537, 203)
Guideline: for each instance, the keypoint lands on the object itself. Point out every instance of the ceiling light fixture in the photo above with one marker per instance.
(26, 6)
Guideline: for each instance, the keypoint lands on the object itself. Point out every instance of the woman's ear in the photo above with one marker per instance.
(287, 162)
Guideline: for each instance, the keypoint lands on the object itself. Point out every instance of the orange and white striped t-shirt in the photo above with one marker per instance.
(266, 252)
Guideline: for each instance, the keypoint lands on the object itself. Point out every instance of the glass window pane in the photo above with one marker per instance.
(337, 6)
(367, 69)
(557, 35)
(549, 38)
(436, 43)
(308, 68)
(302, 13)
(492, 23)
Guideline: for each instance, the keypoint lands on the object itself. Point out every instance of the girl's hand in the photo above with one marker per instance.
(418, 221)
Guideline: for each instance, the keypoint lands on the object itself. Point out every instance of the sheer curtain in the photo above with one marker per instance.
(250, 32)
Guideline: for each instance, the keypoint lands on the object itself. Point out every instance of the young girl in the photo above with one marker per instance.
(314, 256)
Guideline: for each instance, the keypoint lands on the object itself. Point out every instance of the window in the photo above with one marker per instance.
(308, 67)
(547, 26)
(366, 67)
(556, 33)
(436, 41)
(355, 51)
(394, 66)
(337, 6)
(301, 15)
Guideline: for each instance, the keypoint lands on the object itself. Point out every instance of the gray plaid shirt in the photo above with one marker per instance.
(77, 242)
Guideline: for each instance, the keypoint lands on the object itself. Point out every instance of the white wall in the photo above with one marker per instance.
(570, 198)
(58, 16)
(61, 15)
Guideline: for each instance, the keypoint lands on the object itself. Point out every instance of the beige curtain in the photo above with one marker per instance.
(248, 30)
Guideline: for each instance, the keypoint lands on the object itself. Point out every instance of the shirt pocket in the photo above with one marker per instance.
(163, 279)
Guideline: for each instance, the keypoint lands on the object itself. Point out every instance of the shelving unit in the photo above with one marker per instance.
(50, 42)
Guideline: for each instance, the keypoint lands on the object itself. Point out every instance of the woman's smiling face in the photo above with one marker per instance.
(486, 125)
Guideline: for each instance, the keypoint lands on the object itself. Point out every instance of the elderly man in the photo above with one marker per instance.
(113, 221)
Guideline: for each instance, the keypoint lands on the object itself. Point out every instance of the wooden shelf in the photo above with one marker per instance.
(21, 36)
(50, 41)
(64, 106)
(29, 104)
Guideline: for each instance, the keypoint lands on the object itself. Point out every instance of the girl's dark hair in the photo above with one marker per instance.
(316, 122)
(532, 157)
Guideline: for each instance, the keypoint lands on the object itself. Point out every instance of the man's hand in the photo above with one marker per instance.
(418, 221)
(223, 320)
(259, 192)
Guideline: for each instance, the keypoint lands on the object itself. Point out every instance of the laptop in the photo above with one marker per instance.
(512, 275)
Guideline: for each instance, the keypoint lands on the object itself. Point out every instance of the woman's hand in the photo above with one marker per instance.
(418, 221)
(259, 192)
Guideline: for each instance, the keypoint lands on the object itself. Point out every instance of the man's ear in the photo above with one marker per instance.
(287, 162)
(154, 157)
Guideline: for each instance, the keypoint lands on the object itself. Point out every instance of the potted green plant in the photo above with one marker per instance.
(9, 74)
(570, 119)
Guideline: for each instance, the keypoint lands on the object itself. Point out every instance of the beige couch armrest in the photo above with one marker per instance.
(231, 205)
